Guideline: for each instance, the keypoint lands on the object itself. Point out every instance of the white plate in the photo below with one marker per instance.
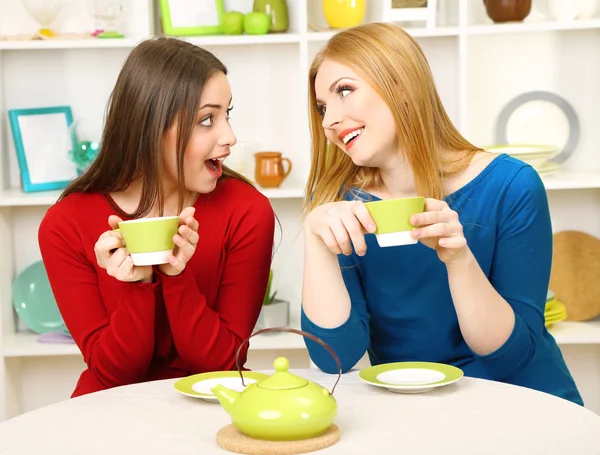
(199, 385)
(411, 377)
(539, 117)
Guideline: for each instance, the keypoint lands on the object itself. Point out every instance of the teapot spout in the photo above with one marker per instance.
(225, 396)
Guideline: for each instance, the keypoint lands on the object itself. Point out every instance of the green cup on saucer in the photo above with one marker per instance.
(392, 218)
(149, 241)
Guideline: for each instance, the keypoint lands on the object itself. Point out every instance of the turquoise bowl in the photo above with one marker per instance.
(34, 301)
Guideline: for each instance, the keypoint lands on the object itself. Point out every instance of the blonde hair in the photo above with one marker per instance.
(392, 62)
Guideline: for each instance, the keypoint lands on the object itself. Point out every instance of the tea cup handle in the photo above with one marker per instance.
(289, 166)
(299, 332)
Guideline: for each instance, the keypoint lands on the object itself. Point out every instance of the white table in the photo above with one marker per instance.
(472, 416)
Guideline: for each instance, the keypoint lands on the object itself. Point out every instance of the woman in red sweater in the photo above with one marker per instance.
(166, 131)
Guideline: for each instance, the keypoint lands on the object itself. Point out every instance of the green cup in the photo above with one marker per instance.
(149, 241)
(392, 218)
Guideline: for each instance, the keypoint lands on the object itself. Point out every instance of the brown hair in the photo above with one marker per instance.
(160, 82)
(392, 62)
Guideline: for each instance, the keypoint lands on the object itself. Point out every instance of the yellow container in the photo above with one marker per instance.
(344, 13)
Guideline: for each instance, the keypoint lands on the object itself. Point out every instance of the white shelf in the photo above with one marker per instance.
(277, 341)
(574, 180)
(415, 32)
(570, 332)
(18, 198)
(287, 38)
(26, 345)
(283, 193)
(91, 43)
(242, 40)
(559, 181)
(128, 43)
(525, 27)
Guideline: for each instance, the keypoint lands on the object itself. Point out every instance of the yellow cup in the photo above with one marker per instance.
(344, 13)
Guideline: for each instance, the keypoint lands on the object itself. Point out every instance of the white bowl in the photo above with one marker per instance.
(534, 155)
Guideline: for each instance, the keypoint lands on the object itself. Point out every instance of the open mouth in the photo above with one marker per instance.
(351, 137)
(215, 165)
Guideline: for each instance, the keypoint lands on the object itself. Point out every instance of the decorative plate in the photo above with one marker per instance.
(539, 117)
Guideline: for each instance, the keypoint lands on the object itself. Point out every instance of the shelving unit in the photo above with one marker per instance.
(479, 66)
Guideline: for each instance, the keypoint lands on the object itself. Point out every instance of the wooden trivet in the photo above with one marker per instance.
(575, 270)
(230, 438)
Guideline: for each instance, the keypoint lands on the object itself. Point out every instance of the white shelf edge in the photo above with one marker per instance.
(526, 27)
(562, 180)
(414, 32)
(292, 37)
(572, 180)
(571, 332)
(242, 40)
(26, 345)
(283, 193)
(84, 43)
(128, 43)
(18, 198)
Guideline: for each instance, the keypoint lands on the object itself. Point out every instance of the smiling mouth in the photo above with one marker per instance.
(348, 138)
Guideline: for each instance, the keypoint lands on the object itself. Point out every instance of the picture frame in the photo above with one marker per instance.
(43, 139)
(191, 17)
(425, 14)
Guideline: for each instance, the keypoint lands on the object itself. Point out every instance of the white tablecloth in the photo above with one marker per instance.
(472, 416)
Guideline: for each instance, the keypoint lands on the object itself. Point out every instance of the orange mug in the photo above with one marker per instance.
(269, 171)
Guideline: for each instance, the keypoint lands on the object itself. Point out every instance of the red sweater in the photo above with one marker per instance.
(178, 325)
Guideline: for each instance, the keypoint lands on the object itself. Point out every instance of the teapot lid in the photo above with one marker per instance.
(282, 379)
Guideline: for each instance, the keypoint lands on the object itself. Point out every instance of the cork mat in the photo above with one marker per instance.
(575, 277)
(230, 438)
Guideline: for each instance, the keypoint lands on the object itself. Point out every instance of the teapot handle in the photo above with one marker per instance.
(299, 332)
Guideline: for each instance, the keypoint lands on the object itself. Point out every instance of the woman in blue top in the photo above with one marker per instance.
(472, 291)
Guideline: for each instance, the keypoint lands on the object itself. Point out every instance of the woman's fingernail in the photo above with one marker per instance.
(414, 220)
(416, 233)
(372, 227)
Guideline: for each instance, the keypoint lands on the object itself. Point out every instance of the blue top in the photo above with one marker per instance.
(402, 309)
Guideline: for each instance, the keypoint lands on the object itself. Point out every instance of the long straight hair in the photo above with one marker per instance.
(161, 80)
(391, 62)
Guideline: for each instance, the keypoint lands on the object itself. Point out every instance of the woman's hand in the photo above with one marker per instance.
(339, 225)
(112, 256)
(440, 229)
(185, 243)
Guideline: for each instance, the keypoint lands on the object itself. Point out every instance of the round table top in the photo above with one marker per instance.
(472, 416)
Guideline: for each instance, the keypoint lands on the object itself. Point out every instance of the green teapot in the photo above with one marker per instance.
(283, 406)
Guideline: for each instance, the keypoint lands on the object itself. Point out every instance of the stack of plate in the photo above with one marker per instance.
(539, 117)
(555, 310)
(537, 156)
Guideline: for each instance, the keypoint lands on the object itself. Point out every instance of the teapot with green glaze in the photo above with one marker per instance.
(283, 406)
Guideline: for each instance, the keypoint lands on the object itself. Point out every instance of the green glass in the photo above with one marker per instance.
(278, 10)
